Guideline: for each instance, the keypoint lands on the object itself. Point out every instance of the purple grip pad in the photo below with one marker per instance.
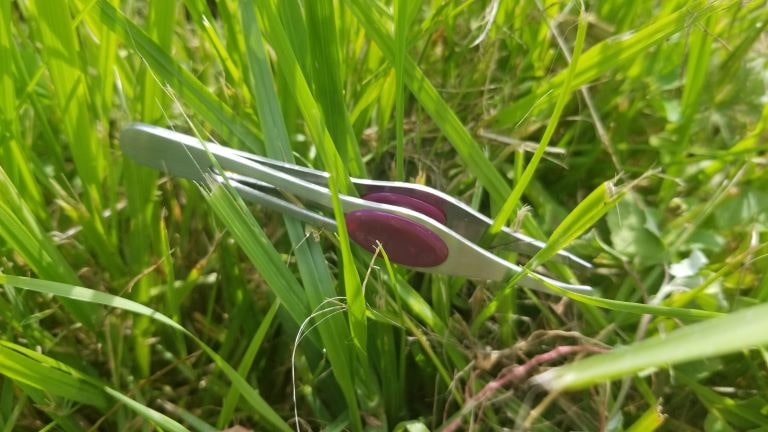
(408, 202)
(406, 242)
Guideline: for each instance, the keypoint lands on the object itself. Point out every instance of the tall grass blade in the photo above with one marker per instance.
(564, 93)
(338, 181)
(53, 378)
(15, 157)
(445, 118)
(96, 297)
(740, 330)
(188, 88)
(613, 53)
(23, 234)
(317, 279)
(70, 88)
(326, 79)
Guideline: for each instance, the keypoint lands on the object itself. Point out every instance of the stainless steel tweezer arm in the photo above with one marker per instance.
(461, 218)
(186, 156)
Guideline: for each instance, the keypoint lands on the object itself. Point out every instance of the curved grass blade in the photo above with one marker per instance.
(620, 51)
(260, 406)
(565, 91)
(744, 329)
(50, 376)
(636, 308)
(313, 268)
(185, 85)
(53, 377)
(445, 118)
(339, 178)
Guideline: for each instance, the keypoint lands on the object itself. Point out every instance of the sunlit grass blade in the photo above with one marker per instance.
(96, 297)
(190, 90)
(55, 379)
(584, 216)
(338, 180)
(401, 38)
(610, 54)
(651, 420)
(564, 92)
(13, 155)
(160, 20)
(70, 88)
(589, 211)
(740, 330)
(445, 118)
(636, 308)
(313, 268)
(259, 249)
(326, 78)
(20, 230)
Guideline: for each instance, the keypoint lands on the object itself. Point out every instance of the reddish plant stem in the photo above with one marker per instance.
(515, 373)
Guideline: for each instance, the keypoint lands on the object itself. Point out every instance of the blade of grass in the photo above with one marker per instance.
(82, 294)
(230, 400)
(231, 210)
(327, 82)
(57, 380)
(338, 181)
(59, 40)
(141, 182)
(636, 308)
(318, 282)
(586, 214)
(11, 151)
(21, 231)
(651, 420)
(11, 409)
(697, 76)
(154, 417)
(73, 101)
(737, 331)
(189, 89)
(445, 118)
(610, 54)
(54, 377)
(401, 39)
(565, 91)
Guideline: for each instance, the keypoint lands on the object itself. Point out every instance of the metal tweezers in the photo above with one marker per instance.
(417, 226)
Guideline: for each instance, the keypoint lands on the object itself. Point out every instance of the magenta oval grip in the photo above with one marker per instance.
(406, 242)
(400, 200)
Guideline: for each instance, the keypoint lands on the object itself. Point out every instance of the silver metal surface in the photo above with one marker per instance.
(460, 217)
(186, 156)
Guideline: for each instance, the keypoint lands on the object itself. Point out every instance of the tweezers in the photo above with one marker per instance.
(418, 227)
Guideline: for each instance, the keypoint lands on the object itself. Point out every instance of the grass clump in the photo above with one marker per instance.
(632, 133)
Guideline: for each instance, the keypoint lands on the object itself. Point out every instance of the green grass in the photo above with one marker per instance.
(631, 133)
